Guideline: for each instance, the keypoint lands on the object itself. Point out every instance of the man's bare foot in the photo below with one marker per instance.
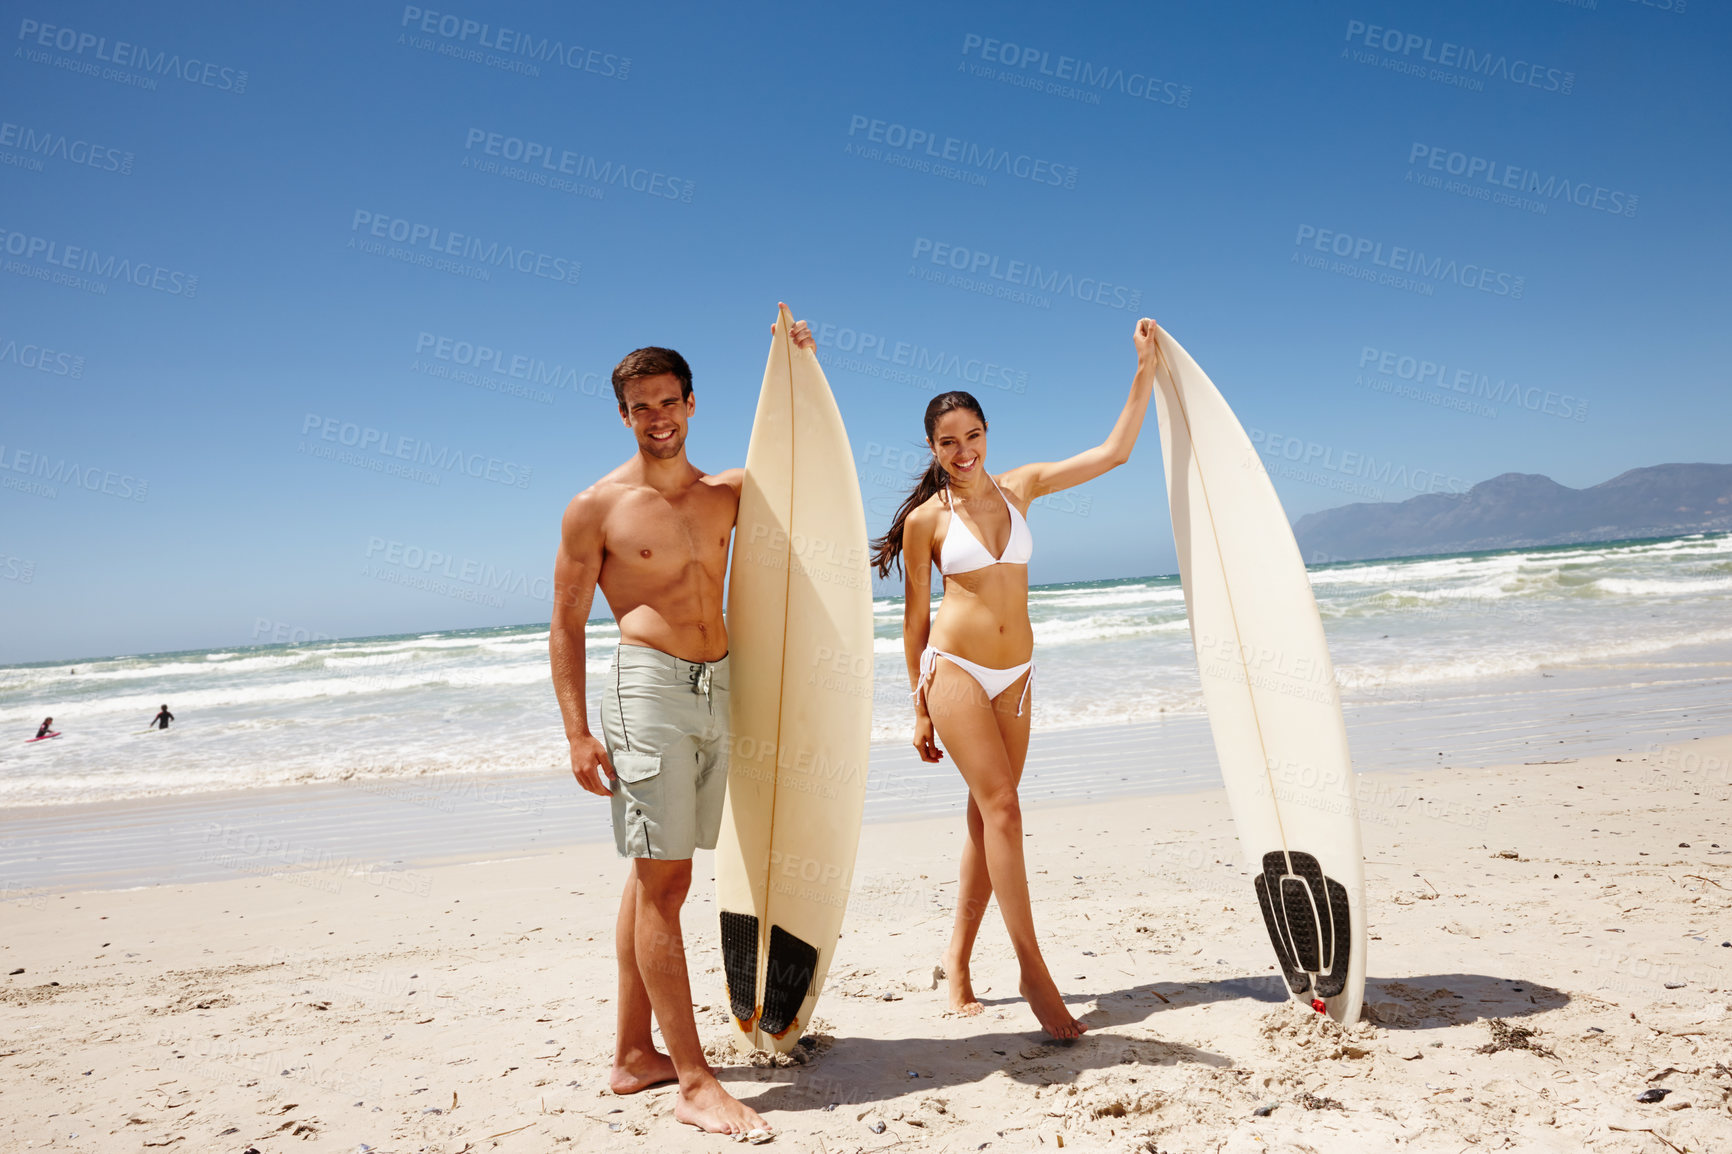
(709, 1107)
(641, 1070)
(962, 999)
(1048, 1006)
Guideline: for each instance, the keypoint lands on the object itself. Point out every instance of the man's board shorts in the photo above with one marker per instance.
(665, 723)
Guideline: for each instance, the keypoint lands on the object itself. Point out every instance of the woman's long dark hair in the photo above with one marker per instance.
(887, 550)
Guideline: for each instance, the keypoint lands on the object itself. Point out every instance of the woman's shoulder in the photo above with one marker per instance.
(926, 514)
(1018, 484)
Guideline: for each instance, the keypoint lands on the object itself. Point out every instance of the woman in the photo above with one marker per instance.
(971, 664)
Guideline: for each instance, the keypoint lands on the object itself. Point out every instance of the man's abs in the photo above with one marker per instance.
(664, 567)
(689, 640)
(673, 607)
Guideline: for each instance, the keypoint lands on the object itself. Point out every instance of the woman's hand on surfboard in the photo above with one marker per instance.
(589, 764)
(1144, 338)
(926, 740)
(801, 332)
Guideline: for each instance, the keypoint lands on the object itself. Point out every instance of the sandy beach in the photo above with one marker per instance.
(468, 1006)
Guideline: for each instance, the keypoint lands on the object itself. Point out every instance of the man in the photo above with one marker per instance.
(161, 720)
(654, 535)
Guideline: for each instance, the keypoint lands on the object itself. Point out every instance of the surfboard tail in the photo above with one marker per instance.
(1309, 920)
(1269, 685)
(800, 627)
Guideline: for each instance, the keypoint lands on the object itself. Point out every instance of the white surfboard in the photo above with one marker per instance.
(1274, 707)
(800, 668)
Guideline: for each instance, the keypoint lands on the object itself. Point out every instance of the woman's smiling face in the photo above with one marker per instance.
(959, 444)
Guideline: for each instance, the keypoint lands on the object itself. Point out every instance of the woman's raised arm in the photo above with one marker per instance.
(1043, 477)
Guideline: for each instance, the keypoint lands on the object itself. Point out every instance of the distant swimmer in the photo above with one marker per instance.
(46, 729)
(161, 720)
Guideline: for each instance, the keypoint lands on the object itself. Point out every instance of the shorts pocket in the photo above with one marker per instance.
(632, 768)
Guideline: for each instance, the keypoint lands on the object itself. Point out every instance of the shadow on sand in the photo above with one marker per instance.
(860, 1071)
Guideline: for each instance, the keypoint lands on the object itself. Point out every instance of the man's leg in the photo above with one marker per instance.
(637, 1064)
(661, 959)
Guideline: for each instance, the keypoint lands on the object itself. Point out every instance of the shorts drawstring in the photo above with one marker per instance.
(702, 678)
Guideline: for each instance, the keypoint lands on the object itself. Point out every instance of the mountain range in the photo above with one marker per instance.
(1518, 510)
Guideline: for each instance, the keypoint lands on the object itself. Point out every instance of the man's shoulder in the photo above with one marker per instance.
(602, 495)
(730, 479)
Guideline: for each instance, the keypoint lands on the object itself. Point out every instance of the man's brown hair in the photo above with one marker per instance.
(650, 361)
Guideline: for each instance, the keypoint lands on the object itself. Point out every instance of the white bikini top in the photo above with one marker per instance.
(963, 553)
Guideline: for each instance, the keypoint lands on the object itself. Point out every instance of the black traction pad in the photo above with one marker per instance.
(740, 962)
(786, 979)
(1268, 885)
(1332, 983)
(1309, 922)
(1307, 913)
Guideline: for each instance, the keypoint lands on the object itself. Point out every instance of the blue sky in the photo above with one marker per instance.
(1571, 313)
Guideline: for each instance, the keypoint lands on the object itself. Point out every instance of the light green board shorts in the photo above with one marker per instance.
(665, 723)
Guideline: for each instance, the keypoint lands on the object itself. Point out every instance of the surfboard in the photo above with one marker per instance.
(799, 616)
(1274, 707)
(44, 737)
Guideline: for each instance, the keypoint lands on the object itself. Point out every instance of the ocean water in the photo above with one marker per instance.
(1445, 636)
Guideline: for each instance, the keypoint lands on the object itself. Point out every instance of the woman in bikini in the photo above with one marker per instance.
(971, 664)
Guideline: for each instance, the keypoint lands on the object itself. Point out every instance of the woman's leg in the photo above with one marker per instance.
(973, 893)
(970, 728)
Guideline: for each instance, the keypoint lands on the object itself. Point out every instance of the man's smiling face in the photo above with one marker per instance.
(657, 414)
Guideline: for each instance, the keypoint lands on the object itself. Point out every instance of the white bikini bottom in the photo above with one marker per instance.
(992, 681)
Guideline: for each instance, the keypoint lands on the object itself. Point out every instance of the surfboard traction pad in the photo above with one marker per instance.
(740, 963)
(787, 978)
(1309, 922)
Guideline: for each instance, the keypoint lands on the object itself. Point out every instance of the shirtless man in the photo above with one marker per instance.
(654, 534)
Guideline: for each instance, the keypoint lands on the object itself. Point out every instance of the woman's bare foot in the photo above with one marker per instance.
(640, 1070)
(962, 999)
(709, 1107)
(1048, 1006)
